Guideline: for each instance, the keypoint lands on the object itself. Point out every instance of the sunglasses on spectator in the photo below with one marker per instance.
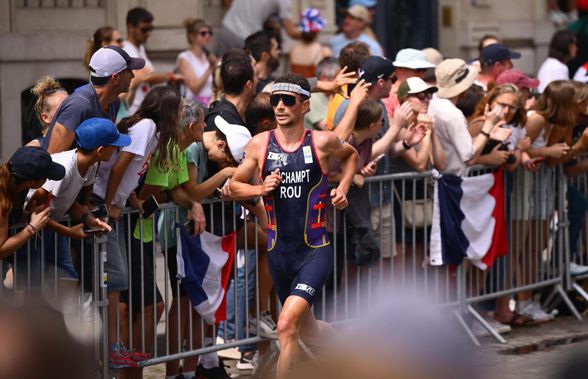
(511, 108)
(204, 33)
(288, 100)
(120, 40)
(422, 96)
(146, 29)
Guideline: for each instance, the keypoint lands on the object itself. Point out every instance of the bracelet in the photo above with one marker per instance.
(485, 134)
(406, 145)
(31, 229)
(170, 76)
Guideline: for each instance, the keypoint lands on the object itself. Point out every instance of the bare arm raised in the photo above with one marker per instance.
(329, 145)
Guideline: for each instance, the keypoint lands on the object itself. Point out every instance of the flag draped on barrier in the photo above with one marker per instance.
(204, 269)
(468, 220)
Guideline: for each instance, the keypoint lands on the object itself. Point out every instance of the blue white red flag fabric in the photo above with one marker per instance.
(468, 220)
(204, 269)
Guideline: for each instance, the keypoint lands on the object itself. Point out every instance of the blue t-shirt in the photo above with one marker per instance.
(339, 41)
(79, 106)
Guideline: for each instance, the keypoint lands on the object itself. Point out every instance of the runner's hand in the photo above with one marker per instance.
(338, 198)
(271, 182)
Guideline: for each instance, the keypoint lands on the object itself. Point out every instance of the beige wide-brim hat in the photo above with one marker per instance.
(454, 76)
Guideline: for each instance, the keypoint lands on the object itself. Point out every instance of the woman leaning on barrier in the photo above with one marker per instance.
(28, 168)
(510, 153)
(554, 112)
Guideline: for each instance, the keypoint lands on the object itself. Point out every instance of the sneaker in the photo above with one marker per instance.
(136, 356)
(248, 361)
(480, 331)
(267, 326)
(537, 314)
(576, 269)
(212, 373)
(118, 358)
(230, 353)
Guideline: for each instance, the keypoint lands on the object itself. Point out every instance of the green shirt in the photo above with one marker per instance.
(167, 180)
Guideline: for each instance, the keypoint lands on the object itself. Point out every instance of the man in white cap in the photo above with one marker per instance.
(357, 19)
(409, 63)
(111, 72)
(454, 77)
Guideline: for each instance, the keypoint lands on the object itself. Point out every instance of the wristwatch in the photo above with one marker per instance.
(406, 145)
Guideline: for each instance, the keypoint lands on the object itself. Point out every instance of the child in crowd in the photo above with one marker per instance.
(27, 169)
(154, 125)
(96, 140)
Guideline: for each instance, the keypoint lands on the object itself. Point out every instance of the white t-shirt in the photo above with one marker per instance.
(66, 190)
(581, 74)
(552, 70)
(452, 129)
(143, 88)
(143, 141)
(199, 67)
(246, 17)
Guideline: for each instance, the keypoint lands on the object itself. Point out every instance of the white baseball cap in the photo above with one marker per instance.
(413, 59)
(238, 137)
(111, 60)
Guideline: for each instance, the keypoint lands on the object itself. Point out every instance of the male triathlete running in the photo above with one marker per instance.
(292, 162)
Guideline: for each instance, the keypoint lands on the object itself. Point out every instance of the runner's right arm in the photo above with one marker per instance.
(239, 187)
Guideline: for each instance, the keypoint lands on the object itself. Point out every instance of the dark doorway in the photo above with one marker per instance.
(30, 125)
(402, 23)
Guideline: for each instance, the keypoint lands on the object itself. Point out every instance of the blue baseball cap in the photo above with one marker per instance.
(497, 52)
(32, 163)
(96, 132)
(365, 3)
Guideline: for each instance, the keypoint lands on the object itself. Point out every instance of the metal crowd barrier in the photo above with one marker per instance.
(376, 251)
(578, 231)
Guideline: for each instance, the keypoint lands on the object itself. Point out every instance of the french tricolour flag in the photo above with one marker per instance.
(204, 269)
(468, 220)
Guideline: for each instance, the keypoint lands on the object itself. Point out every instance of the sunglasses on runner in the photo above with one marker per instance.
(204, 33)
(288, 100)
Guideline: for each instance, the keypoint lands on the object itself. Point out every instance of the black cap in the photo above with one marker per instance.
(32, 163)
(497, 52)
(374, 68)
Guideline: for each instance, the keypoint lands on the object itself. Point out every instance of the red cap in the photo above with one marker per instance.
(518, 78)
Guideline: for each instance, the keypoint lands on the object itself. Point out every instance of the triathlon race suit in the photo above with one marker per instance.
(299, 252)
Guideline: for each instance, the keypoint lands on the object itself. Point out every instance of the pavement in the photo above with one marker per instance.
(530, 352)
(535, 352)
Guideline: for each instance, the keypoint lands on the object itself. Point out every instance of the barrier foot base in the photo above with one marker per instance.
(549, 302)
(568, 302)
(580, 291)
(465, 327)
(485, 324)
